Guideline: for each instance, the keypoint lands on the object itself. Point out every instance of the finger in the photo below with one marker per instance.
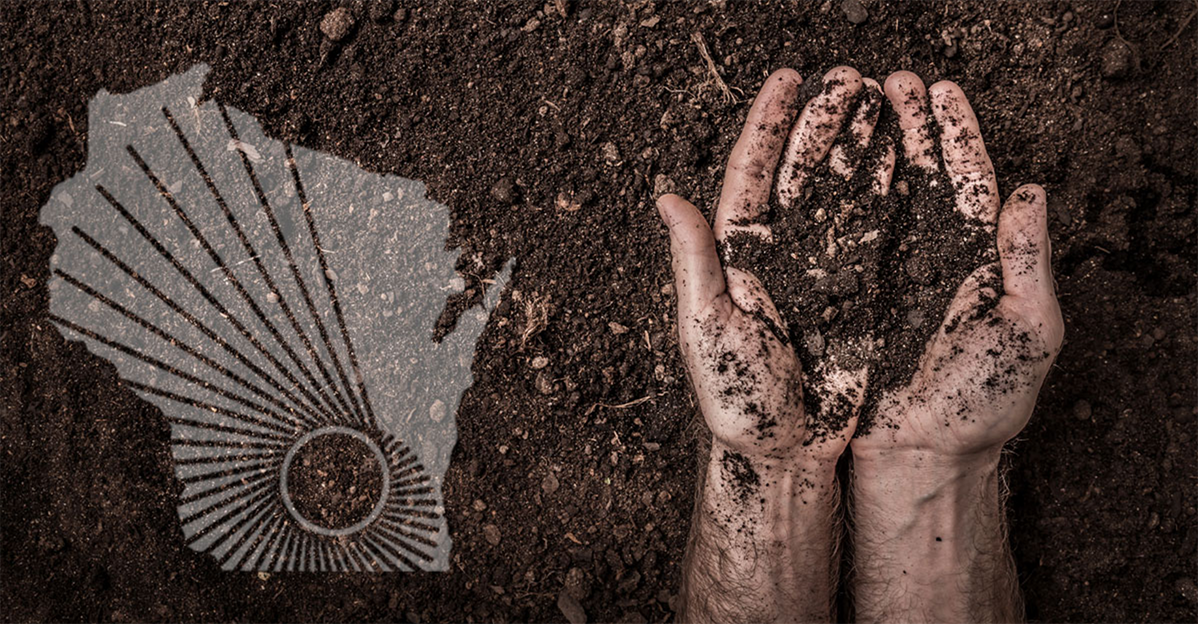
(849, 148)
(750, 171)
(812, 135)
(884, 170)
(965, 159)
(1026, 255)
(698, 278)
(909, 100)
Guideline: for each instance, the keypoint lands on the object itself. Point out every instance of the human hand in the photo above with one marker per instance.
(977, 381)
(738, 353)
(928, 522)
(764, 531)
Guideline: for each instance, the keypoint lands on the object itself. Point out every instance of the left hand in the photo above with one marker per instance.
(978, 379)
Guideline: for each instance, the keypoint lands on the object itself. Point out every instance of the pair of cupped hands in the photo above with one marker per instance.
(952, 409)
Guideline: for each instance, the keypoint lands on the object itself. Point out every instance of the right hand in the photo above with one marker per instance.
(737, 350)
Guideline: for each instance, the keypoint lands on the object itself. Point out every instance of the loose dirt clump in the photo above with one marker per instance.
(741, 476)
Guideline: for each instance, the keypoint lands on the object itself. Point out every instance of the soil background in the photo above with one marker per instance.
(549, 136)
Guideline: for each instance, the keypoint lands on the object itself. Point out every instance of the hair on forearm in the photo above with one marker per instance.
(992, 591)
(845, 543)
(718, 586)
(699, 599)
(1006, 588)
(708, 595)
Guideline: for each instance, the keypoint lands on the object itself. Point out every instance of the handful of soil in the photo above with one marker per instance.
(862, 276)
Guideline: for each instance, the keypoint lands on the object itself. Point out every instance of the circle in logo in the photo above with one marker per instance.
(334, 481)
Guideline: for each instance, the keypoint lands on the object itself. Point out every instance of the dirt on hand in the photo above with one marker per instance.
(861, 278)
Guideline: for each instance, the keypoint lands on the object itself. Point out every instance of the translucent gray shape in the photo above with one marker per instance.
(261, 294)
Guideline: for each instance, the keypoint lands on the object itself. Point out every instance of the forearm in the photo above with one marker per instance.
(762, 545)
(929, 540)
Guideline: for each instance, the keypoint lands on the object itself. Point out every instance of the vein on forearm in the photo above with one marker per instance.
(941, 555)
(761, 558)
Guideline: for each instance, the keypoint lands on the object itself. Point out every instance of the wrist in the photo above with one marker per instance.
(762, 541)
(767, 490)
(927, 489)
(930, 489)
(905, 470)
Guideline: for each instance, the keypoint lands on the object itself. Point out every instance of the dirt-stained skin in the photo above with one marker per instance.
(821, 300)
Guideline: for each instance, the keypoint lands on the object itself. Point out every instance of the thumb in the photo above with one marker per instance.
(698, 277)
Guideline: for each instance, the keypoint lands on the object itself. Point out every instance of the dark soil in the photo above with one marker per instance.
(860, 277)
(548, 136)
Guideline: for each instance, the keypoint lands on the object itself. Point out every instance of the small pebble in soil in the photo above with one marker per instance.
(610, 152)
(504, 191)
(567, 202)
(570, 608)
(380, 10)
(544, 383)
(337, 23)
(1117, 58)
(1082, 410)
(920, 270)
(491, 533)
(915, 318)
(1188, 589)
(854, 11)
(815, 343)
(576, 583)
(549, 484)
(662, 184)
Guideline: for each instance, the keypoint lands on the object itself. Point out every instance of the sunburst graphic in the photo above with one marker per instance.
(253, 510)
(287, 339)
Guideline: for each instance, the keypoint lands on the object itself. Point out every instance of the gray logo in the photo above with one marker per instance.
(278, 305)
